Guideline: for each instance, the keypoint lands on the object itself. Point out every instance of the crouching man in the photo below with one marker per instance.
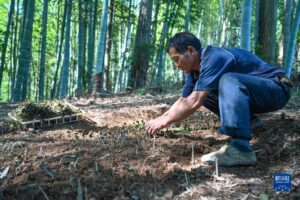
(230, 82)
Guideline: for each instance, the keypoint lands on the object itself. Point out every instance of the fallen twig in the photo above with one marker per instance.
(152, 156)
(43, 192)
(4, 173)
(25, 139)
(103, 157)
(257, 151)
(44, 168)
(76, 162)
(66, 156)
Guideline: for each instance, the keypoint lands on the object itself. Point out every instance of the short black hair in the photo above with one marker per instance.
(181, 41)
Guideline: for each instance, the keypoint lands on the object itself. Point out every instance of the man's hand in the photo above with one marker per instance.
(180, 110)
(155, 125)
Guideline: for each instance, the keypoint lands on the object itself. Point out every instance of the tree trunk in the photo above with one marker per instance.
(267, 30)
(84, 56)
(6, 35)
(24, 14)
(154, 27)
(11, 58)
(59, 50)
(256, 32)
(15, 57)
(20, 90)
(66, 61)
(246, 24)
(187, 16)
(79, 91)
(287, 28)
(124, 51)
(158, 72)
(220, 20)
(291, 49)
(121, 77)
(43, 51)
(172, 19)
(226, 24)
(141, 52)
(109, 43)
(98, 77)
(91, 43)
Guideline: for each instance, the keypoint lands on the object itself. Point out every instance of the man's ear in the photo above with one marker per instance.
(191, 49)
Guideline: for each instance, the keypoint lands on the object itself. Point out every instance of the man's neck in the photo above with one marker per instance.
(196, 66)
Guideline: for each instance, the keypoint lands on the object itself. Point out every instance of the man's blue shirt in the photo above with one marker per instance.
(216, 61)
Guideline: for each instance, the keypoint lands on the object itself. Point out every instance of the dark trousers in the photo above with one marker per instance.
(238, 97)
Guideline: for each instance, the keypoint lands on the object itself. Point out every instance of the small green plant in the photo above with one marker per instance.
(2, 139)
(139, 125)
(141, 91)
(10, 122)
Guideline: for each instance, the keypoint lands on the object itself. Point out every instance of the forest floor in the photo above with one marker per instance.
(110, 156)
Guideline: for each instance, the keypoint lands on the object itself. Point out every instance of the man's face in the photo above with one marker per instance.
(183, 61)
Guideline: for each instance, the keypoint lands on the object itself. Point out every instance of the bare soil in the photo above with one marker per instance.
(109, 155)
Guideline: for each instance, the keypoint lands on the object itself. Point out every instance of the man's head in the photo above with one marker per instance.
(183, 49)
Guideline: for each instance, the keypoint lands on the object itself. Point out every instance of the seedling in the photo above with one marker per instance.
(123, 139)
(102, 143)
(75, 163)
(46, 170)
(4, 173)
(140, 125)
(105, 156)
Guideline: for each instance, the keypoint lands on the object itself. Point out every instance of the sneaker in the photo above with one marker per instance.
(255, 122)
(230, 156)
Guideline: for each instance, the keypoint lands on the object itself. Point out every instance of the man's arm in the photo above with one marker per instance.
(173, 106)
(180, 110)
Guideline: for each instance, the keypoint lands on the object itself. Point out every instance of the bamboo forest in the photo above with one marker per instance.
(117, 99)
(60, 49)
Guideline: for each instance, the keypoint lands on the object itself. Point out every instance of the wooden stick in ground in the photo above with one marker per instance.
(43, 192)
(193, 155)
(153, 145)
(217, 167)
